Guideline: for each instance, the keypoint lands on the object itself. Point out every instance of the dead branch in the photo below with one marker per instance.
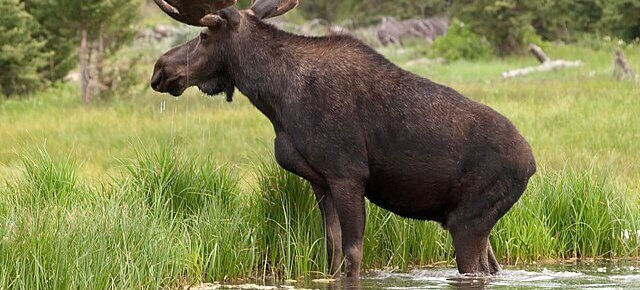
(540, 55)
(621, 67)
(546, 64)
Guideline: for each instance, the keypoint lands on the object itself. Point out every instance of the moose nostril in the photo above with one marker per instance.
(156, 80)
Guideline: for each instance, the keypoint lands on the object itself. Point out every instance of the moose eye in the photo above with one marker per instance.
(203, 36)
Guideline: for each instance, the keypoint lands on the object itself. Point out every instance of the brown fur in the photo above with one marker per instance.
(355, 125)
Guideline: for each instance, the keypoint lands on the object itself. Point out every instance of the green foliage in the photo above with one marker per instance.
(117, 17)
(567, 19)
(368, 12)
(371, 11)
(327, 10)
(64, 20)
(564, 19)
(22, 54)
(505, 23)
(59, 39)
(622, 18)
(461, 43)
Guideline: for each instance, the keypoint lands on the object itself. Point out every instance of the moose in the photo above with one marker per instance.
(356, 126)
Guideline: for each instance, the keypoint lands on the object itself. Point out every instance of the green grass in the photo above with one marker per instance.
(175, 219)
(123, 195)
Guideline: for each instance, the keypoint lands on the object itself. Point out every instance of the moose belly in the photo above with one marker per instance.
(413, 193)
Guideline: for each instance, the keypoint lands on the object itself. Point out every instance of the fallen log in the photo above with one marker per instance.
(546, 64)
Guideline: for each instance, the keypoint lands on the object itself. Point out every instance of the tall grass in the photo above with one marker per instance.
(292, 235)
(100, 237)
(173, 219)
(569, 214)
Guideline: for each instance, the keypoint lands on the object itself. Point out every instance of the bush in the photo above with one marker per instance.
(461, 43)
(507, 24)
(370, 11)
(621, 18)
(21, 53)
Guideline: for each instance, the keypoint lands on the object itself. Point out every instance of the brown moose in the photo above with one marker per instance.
(355, 125)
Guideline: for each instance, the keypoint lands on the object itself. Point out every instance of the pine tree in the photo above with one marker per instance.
(95, 28)
(22, 55)
(622, 18)
(58, 38)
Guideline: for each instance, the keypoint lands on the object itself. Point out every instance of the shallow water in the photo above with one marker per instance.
(599, 275)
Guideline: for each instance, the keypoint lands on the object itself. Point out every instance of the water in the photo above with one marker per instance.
(599, 275)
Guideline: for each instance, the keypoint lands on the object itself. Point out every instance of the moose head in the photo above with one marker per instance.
(204, 60)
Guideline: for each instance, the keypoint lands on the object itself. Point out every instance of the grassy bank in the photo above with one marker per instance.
(175, 219)
(581, 118)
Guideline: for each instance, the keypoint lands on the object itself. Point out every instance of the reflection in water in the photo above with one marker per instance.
(574, 275)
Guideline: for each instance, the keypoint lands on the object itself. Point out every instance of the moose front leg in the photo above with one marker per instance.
(333, 233)
(348, 197)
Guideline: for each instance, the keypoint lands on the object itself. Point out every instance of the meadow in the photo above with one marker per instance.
(148, 191)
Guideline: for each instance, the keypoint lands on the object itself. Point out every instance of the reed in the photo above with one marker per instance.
(173, 219)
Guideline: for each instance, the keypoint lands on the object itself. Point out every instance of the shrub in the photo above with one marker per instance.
(621, 18)
(506, 24)
(461, 43)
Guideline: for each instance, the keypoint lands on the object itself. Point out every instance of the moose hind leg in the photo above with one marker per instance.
(494, 267)
(471, 223)
(333, 233)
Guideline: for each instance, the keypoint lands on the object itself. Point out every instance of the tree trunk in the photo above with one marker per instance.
(621, 67)
(100, 55)
(84, 67)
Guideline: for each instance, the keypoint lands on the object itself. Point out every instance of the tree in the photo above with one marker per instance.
(563, 19)
(369, 11)
(327, 10)
(622, 18)
(22, 54)
(59, 41)
(506, 23)
(403, 9)
(97, 28)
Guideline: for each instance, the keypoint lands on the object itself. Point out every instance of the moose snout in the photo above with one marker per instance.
(156, 80)
(163, 82)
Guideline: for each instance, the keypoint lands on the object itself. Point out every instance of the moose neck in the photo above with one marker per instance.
(266, 66)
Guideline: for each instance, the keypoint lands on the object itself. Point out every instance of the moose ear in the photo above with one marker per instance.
(228, 16)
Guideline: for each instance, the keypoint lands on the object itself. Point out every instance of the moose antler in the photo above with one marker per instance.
(271, 8)
(191, 11)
